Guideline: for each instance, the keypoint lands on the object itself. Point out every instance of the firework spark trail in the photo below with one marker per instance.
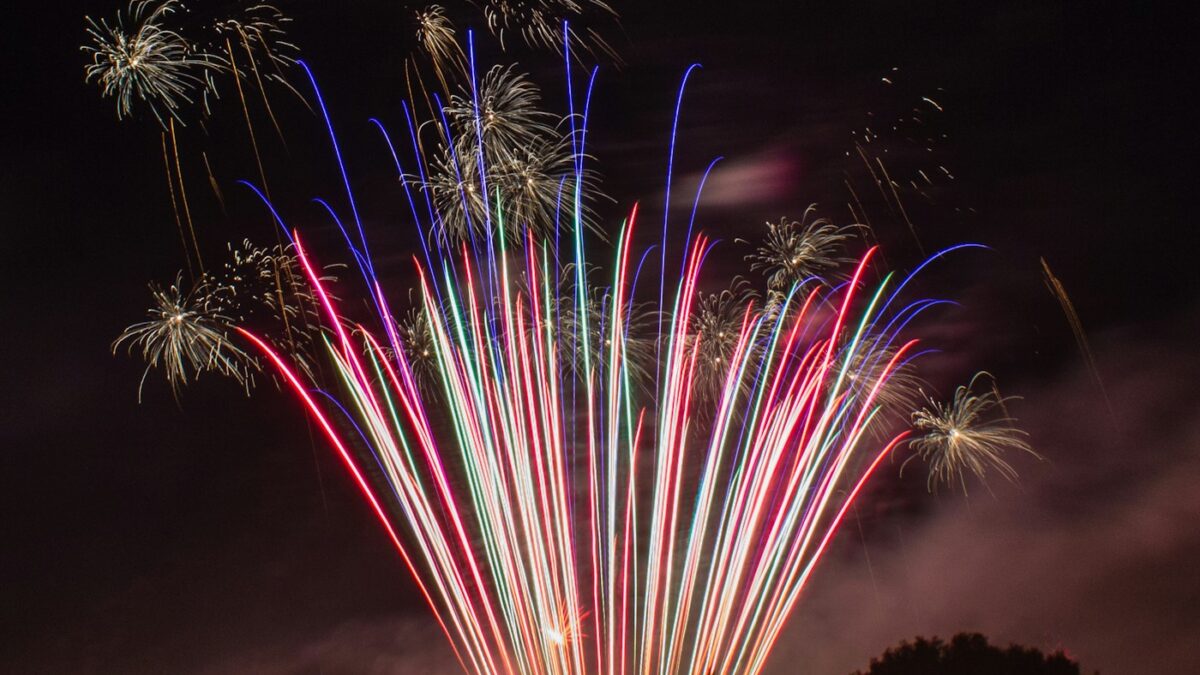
(1060, 293)
(501, 388)
(577, 521)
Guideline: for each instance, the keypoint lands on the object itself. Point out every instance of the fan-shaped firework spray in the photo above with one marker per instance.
(569, 516)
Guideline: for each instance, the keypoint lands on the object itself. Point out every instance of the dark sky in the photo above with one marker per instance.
(211, 536)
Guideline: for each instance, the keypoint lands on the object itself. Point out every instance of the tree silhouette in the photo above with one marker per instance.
(967, 654)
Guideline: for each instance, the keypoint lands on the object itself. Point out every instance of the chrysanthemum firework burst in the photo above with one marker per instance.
(415, 336)
(186, 333)
(167, 55)
(189, 327)
(966, 436)
(437, 37)
(138, 59)
(796, 252)
(716, 327)
(504, 158)
(540, 22)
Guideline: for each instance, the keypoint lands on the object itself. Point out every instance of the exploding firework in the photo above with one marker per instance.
(188, 331)
(161, 53)
(798, 252)
(436, 36)
(504, 150)
(138, 59)
(567, 511)
(497, 544)
(540, 22)
(186, 334)
(577, 483)
(716, 327)
(966, 436)
(415, 335)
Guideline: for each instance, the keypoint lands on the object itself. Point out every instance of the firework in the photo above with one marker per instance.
(581, 337)
(797, 252)
(559, 489)
(716, 327)
(579, 484)
(138, 59)
(503, 150)
(186, 333)
(415, 336)
(899, 386)
(965, 436)
(436, 36)
(163, 54)
(540, 23)
(503, 554)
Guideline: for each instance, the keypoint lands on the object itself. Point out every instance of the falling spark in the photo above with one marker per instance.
(1060, 293)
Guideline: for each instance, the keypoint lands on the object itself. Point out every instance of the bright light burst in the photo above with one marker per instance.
(796, 252)
(715, 331)
(688, 545)
(166, 54)
(138, 59)
(540, 23)
(578, 484)
(505, 149)
(186, 333)
(965, 436)
(436, 35)
(570, 485)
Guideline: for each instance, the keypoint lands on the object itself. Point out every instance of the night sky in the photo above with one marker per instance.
(210, 535)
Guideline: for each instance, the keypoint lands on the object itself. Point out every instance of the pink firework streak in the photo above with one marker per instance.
(576, 525)
(564, 509)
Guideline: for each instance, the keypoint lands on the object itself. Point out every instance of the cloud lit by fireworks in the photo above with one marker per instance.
(966, 435)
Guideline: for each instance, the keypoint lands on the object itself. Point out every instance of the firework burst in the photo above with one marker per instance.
(437, 37)
(138, 59)
(540, 22)
(186, 334)
(716, 328)
(415, 335)
(188, 330)
(576, 483)
(504, 150)
(966, 436)
(566, 510)
(796, 252)
(165, 55)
